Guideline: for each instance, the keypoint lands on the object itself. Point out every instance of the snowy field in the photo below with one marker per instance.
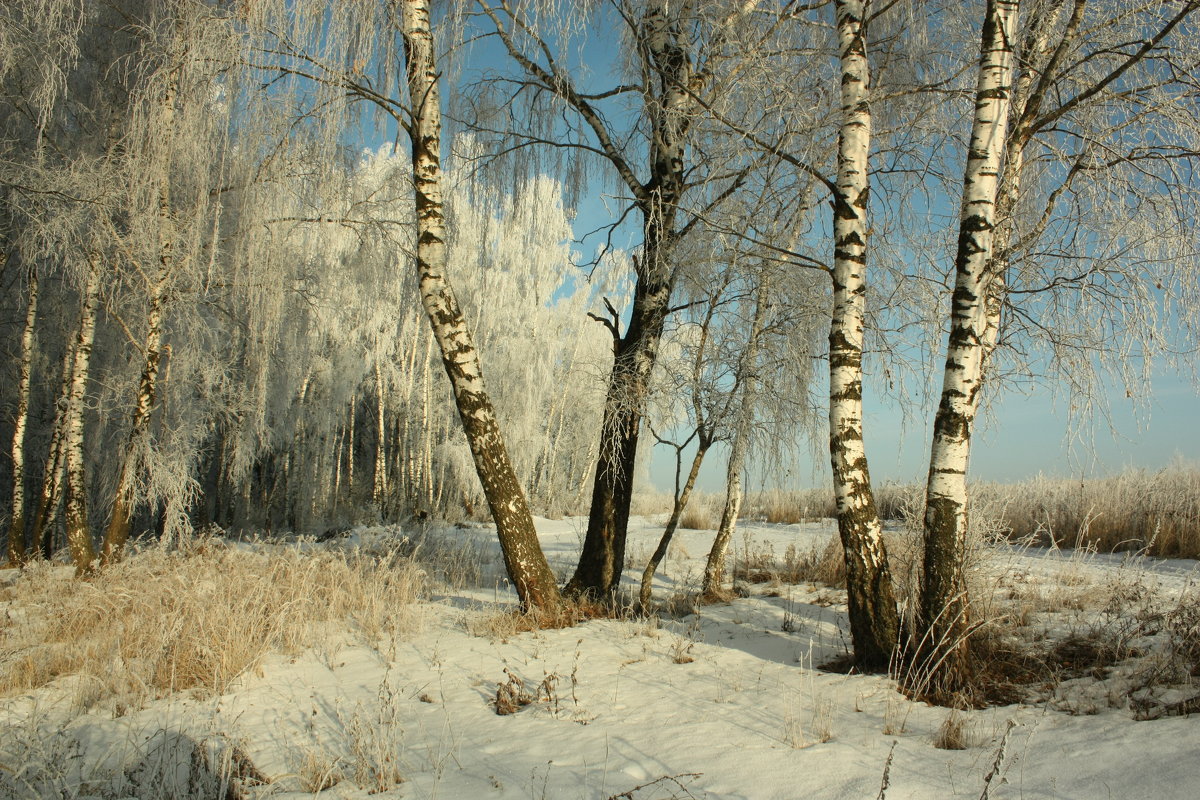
(723, 701)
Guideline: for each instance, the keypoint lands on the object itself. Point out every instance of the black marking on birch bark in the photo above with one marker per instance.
(951, 425)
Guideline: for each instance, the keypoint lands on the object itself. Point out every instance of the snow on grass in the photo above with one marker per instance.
(724, 702)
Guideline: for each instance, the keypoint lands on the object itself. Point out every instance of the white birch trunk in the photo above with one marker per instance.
(123, 502)
(526, 564)
(52, 480)
(16, 530)
(874, 622)
(379, 484)
(79, 535)
(942, 663)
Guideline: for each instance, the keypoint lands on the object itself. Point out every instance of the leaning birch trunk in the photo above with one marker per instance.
(523, 557)
(681, 501)
(16, 529)
(942, 661)
(79, 535)
(117, 532)
(147, 393)
(712, 587)
(1037, 63)
(874, 620)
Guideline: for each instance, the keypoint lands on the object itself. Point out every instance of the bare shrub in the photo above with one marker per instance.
(40, 758)
(514, 694)
(195, 618)
(469, 562)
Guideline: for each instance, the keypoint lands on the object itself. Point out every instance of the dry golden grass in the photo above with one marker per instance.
(1158, 512)
(1153, 512)
(697, 516)
(195, 618)
(501, 623)
(790, 507)
(954, 732)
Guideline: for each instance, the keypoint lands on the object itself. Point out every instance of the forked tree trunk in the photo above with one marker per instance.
(523, 557)
(942, 664)
(874, 619)
(598, 572)
(16, 530)
(712, 586)
(602, 559)
(79, 535)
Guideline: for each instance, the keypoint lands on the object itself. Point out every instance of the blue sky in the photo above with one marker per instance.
(1020, 434)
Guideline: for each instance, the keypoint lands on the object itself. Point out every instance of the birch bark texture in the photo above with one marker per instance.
(17, 549)
(50, 496)
(526, 564)
(941, 665)
(79, 534)
(874, 620)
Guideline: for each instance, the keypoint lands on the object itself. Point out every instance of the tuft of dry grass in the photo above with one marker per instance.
(194, 618)
(697, 516)
(501, 623)
(954, 732)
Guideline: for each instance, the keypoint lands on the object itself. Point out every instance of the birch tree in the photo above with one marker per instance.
(709, 406)
(16, 530)
(534, 581)
(714, 569)
(79, 532)
(874, 621)
(797, 142)
(1085, 114)
(944, 613)
(335, 62)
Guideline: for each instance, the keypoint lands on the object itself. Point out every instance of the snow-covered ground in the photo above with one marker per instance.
(725, 702)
